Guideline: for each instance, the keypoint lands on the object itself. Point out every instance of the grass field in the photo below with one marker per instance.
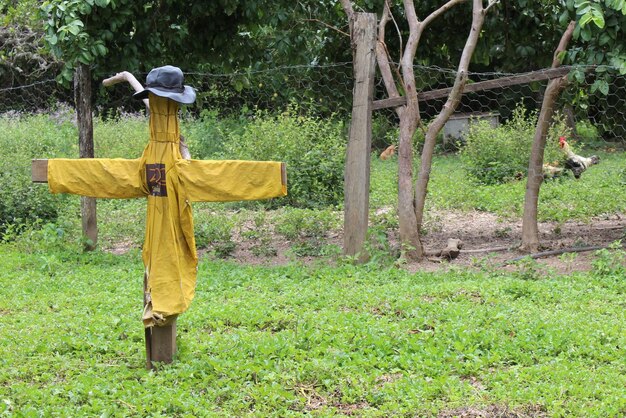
(321, 341)
(325, 338)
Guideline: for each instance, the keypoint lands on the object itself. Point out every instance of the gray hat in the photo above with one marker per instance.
(167, 82)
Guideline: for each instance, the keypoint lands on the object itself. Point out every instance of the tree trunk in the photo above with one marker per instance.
(409, 237)
(410, 214)
(421, 185)
(82, 101)
(530, 228)
(570, 120)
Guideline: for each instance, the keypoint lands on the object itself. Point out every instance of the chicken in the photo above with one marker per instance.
(388, 152)
(576, 163)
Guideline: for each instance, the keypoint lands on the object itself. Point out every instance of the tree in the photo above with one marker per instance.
(412, 196)
(599, 25)
(530, 229)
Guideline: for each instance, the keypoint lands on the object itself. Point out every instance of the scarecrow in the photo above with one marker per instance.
(170, 184)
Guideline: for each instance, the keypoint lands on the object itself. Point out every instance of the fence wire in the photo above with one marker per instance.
(595, 95)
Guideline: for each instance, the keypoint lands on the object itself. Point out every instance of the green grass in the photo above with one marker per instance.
(321, 341)
(600, 190)
(305, 340)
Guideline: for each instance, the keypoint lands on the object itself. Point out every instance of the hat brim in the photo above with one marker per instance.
(188, 95)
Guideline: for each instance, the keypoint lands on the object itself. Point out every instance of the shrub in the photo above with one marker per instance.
(306, 229)
(587, 132)
(498, 155)
(24, 138)
(610, 261)
(312, 148)
(215, 232)
(207, 135)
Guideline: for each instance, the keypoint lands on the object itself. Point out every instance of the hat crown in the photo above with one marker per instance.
(167, 82)
(167, 77)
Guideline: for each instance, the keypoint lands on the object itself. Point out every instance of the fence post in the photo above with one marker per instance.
(82, 100)
(357, 174)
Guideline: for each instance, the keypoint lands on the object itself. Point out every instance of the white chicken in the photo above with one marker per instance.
(576, 163)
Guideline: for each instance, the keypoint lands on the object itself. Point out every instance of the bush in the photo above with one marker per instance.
(306, 229)
(215, 233)
(498, 155)
(312, 148)
(207, 135)
(24, 138)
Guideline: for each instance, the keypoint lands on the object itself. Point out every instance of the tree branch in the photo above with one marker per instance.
(490, 5)
(447, 6)
(383, 57)
(395, 24)
(565, 40)
(347, 8)
(327, 25)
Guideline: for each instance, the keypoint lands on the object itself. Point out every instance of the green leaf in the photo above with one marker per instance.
(584, 20)
(102, 51)
(102, 3)
(600, 85)
(85, 57)
(598, 19)
(585, 34)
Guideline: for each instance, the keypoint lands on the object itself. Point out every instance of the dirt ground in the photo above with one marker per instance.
(487, 241)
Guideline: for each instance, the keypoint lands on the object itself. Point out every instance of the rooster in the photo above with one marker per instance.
(574, 162)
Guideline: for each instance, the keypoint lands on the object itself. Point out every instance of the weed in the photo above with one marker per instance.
(529, 269)
(261, 236)
(610, 261)
(503, 232)
(282, 338)
(215, 232)
(568, 259)
(306, 229)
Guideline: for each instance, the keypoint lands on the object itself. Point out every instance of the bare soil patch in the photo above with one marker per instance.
(488, 242)
(494, 411)
(484, 236)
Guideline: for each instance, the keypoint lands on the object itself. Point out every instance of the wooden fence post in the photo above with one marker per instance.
(357, 174)
(82, 101)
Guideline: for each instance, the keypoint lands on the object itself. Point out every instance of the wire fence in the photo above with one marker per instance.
(595, 95)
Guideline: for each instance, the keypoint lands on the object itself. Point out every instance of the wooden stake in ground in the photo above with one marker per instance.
(530, 229)
(357, 170)
(170, 183)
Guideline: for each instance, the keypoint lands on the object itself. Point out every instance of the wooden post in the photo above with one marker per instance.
(82, 101)
(357, 171)
(163, 344)
(160, 341)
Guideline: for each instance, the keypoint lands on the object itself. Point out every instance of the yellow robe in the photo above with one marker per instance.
(170, 183)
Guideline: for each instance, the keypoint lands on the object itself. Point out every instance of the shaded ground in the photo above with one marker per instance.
(481, 231)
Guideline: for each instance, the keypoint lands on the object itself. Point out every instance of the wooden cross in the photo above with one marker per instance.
(170, 183)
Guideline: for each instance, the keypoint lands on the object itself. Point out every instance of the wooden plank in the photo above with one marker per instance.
(525, 78)
(283, 173)
(163, 342)
(357, 169)
(39, 171)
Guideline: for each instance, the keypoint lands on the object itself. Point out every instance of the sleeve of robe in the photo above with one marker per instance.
(230, 180)
(97, 177)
